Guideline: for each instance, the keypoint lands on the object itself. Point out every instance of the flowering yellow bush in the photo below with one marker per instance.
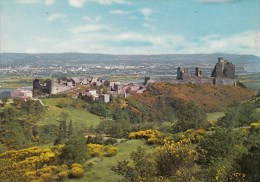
(177, 159)
(46, 177)
(98, 150)
(194, 135)
(150, 135)
(31, 164)
(30, 175)
(255, 126)
(61, 175)
(76, 171)
(110, 151)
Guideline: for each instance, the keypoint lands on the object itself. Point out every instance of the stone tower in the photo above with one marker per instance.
(197, 72)
(224, 69)
(181, 73)
(36, 84)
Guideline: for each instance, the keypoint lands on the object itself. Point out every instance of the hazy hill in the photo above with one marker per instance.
(23, 58)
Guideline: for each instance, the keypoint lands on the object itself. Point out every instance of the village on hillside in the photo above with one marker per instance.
(222, 74)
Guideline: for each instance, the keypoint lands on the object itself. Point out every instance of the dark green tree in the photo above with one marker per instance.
(143, 168)
(189, 115)
(5, 100)
(74, 151)
(219, 153)
(70, 130)
(238, 115)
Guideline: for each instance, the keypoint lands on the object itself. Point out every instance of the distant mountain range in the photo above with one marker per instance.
(81, 58)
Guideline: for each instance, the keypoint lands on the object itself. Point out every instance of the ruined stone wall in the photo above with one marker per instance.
(57, 87)
(229, 70)
(224, 69)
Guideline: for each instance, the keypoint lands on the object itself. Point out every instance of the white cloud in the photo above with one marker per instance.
(76, 3)
(146, 11)
(119, 12)
(56, 16)
(89, 28)
(80, 3)
(49, 2)
(28, 1)
(242, 43)
(89, 19)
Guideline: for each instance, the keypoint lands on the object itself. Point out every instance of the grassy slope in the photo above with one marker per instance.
(209, 97)
(252, 81)
(214, 116)
(78, 116)
(101, 171)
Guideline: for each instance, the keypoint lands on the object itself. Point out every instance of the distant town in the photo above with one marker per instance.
(98, 89)
(76, 64)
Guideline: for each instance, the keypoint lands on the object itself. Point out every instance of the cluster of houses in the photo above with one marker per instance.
(222, 74)
(61, 85)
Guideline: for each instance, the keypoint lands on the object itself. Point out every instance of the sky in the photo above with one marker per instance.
(130, 26)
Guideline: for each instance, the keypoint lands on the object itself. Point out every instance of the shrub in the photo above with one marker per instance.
(46, 177)
(255, 126)
(150, 135)
(61, 175)
(111, 151)
(76, 165)
(76, 172)
(98, 150)
(30, 175)
(90, 163)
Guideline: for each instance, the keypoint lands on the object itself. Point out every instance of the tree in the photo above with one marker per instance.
(189, 115)
(70, 131)
(176, 161)
(173, 161)
(238, 115)
(62, 134)
(143, 168)
(74, 151)
(219, 152)
(5, 100)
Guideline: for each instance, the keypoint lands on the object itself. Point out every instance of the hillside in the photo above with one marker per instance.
(208, 97)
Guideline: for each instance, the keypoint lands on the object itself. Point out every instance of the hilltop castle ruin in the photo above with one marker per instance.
(53, 86)
(222, 74)
(223, 69)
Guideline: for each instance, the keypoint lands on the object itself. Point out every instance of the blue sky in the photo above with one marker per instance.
(130, 26)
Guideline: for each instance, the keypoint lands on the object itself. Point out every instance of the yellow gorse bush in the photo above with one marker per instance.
(98, 150)
(76, 170)
(150, 135)
(35, 164)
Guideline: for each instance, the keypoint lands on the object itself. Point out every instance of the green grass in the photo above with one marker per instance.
(215, 116)
(101, 171)
(252, 81)
(15, 81)
(79, 116)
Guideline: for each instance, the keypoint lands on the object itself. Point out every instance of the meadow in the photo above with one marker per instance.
(78, 115)
(101, 170)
